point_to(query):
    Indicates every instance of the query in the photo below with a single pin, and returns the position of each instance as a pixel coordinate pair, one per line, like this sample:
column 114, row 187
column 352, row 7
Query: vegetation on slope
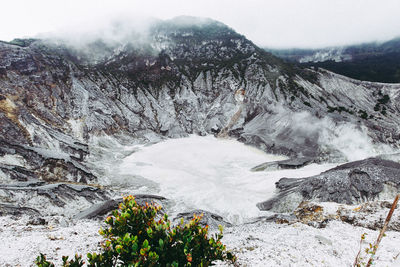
column 137, row 236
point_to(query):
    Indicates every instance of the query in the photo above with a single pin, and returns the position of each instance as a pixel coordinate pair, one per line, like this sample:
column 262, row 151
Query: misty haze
column 290, row 143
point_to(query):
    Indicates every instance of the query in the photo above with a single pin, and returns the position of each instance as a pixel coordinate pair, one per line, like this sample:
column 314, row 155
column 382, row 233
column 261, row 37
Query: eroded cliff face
column 56, row 98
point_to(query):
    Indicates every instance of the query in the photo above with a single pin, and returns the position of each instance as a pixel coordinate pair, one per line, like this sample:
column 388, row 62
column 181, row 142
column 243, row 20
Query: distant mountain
column 379, row 62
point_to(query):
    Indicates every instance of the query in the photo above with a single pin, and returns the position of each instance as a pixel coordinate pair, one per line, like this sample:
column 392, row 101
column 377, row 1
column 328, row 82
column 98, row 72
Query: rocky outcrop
column 8, row 209
column 350, row 183
column 283, row 164
column 41, row 199
column 371, row 215
column 309, row 213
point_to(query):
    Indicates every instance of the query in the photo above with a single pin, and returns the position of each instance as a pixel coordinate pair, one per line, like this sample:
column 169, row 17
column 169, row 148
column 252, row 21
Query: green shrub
column 363, row 114
column 76, row 262
column 384, row 99
column 137, row 237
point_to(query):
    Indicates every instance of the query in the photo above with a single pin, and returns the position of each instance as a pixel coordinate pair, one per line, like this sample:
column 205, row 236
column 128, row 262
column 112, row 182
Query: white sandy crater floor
column 259, row 244
column 210, row 174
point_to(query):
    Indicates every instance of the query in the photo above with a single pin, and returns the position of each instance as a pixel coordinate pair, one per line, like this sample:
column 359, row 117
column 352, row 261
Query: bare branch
column 389, row 216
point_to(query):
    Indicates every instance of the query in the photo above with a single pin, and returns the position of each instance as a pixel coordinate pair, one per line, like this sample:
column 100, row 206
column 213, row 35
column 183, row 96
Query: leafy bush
column 76, row 262
column 137, row 237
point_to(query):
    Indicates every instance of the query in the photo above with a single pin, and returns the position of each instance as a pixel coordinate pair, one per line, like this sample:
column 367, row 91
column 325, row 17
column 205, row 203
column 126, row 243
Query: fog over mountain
column 276, row 24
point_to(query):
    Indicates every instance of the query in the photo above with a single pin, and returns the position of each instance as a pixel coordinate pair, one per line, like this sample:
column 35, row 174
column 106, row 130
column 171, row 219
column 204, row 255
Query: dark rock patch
column 17, row 173
column 142, row 199
column 46, row 165
column 59, row 194
column 48, row 199
column 32, row 183
column 294, row 163
column 8, row 209
column 350, row 183
column 37, row 221
column 279, row 218
column 98, row 210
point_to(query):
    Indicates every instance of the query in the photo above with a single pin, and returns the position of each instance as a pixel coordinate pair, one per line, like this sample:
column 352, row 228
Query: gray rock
column 7, row 209
column 100, row 209
column 49, row 199
column 31, row 183
column 279, row 218
column 211, row 219
column 283, row 164
column 37, row 221
column 350, row 183
column 142, row 199
column 287, row 188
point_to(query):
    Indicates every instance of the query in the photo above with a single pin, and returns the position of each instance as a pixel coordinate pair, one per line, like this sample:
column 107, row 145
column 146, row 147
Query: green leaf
column 127, row 238
column 149, row 231
column 64, row 259
column 135, row 246
column 118, row 248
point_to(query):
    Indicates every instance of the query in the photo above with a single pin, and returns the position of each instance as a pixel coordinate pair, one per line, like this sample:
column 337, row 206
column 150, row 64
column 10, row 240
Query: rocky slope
column 179, row 78
column 353, row 182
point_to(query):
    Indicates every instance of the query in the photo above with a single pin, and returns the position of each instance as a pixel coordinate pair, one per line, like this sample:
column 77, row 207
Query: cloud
column 350, row 139
column 303, row 130
column 273, row 23
column 110, row 29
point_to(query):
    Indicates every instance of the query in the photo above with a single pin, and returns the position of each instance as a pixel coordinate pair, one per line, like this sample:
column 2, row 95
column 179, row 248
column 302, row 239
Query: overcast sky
column 271, row 23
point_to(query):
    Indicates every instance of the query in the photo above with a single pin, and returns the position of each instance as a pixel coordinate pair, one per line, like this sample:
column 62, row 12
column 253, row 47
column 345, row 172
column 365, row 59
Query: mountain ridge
column 375, row 61
column 54, row 100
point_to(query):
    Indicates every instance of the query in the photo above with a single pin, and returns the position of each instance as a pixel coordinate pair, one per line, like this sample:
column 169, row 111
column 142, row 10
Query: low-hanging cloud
column 110, row 30
column 283, row 23
column 301, row 130
column 96, row 42
column 350, row 139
